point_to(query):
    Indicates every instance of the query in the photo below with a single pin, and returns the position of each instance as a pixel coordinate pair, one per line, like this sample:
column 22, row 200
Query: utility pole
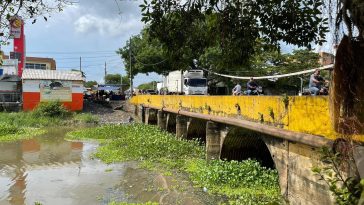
column 105, row 71
column 80, row 63
column 131, row 79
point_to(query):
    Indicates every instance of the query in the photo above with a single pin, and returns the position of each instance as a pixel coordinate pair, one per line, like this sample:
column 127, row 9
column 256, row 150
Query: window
column 35, row 66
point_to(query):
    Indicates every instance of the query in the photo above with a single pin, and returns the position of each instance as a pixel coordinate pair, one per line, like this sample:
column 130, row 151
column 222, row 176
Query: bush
column 51, row 109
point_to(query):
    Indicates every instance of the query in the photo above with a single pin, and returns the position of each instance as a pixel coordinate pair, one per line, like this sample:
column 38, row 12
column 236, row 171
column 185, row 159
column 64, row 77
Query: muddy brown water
column 53, row 171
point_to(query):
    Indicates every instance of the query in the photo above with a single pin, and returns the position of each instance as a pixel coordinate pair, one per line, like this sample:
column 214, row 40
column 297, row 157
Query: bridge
column 281, row 132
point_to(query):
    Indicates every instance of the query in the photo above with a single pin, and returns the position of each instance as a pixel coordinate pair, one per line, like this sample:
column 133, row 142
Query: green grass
column 25, row 125
column 242, row 182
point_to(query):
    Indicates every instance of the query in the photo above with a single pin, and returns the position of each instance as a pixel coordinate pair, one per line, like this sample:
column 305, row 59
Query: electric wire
column 272, row 76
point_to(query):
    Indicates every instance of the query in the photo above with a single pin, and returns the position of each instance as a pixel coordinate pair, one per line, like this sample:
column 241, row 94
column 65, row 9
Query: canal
column 51, row 170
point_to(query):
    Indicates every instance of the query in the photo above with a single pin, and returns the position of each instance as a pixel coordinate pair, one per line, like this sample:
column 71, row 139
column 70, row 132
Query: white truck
column 191, row 82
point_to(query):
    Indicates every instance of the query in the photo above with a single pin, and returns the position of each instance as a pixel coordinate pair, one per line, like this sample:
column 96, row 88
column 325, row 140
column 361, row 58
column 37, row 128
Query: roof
column 37, row 74
column 9, row 78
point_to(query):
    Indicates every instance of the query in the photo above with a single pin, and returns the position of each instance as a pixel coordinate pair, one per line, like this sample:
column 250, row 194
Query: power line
column 272, row 76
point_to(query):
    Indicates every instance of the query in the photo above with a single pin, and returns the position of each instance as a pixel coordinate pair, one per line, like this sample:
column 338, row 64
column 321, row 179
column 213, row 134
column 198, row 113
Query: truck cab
column 194, row 83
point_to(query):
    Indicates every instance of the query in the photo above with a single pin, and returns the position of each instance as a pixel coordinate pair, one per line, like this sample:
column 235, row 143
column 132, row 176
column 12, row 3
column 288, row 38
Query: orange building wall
column 32, row 99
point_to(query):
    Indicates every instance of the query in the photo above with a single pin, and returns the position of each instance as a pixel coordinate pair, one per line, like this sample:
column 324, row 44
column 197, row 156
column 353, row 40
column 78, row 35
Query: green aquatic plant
column 139, row 142
column 244, row 182
column 10, row 133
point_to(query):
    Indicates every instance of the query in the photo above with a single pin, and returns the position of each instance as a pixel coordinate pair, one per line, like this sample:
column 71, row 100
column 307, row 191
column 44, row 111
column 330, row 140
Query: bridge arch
column 240, row 144
column 171, row 122
column 196, row 129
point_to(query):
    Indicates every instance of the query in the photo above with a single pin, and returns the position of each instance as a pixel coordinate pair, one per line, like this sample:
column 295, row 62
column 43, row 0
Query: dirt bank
column 109, row 112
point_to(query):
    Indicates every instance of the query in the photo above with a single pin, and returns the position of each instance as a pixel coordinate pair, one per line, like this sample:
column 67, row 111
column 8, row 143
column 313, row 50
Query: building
column 51, row 85
column 35, row 62
column 40, row 63
column 326, row 58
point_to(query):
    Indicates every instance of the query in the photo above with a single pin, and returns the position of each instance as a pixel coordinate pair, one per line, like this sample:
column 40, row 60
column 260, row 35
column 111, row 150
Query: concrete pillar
column 162, row 120
column 146, row 115
column 213, row 138
column 181, row 127
column 141, row 113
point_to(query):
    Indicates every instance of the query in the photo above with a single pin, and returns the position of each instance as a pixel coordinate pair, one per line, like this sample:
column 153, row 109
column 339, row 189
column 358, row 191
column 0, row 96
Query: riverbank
column 25, row 125
column 244, row 182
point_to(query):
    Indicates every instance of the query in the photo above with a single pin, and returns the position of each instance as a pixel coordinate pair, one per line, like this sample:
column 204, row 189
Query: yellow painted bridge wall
column 308, row 114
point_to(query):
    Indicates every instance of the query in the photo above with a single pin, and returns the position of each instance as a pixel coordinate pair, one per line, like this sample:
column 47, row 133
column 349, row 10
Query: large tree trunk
column 347, row 89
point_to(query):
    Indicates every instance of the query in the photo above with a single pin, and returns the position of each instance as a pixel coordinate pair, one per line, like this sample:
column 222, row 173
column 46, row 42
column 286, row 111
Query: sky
column 90, row 29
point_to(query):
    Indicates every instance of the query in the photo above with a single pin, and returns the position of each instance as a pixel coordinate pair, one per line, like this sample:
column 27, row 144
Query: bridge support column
column 141, row 113
column 181, row 127
column 162, row 120
column 213, row 140
column 150, row 116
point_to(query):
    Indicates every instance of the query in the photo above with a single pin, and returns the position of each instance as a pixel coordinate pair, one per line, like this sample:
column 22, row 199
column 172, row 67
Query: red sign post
column 17, row 32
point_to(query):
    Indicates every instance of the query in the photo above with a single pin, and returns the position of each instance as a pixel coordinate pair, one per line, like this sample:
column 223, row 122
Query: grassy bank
column 24, row 125
column 242, row 182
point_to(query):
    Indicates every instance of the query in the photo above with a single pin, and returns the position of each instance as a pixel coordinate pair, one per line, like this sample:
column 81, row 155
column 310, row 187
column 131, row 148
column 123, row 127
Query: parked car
column 150, row 92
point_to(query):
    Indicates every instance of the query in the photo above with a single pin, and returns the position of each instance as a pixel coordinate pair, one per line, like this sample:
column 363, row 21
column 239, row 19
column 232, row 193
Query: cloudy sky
column 91, row 29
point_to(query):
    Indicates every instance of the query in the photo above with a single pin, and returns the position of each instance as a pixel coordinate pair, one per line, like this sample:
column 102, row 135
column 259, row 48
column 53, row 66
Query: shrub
column 51, row 109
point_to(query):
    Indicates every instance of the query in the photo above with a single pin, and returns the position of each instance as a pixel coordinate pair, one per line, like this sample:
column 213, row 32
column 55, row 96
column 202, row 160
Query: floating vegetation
column 9, row 133
column 244, row 182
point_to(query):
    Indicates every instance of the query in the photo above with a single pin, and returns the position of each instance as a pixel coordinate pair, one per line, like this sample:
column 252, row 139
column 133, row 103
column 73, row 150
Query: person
column 251, row 86
column 316, row 82
column 237, row 89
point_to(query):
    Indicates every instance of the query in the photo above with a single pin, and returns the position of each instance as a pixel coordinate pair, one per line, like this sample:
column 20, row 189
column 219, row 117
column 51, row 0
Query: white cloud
column 107, row 26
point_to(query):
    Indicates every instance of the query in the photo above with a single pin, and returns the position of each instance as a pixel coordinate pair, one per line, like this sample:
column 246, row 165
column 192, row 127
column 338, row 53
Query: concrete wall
column 307, row 114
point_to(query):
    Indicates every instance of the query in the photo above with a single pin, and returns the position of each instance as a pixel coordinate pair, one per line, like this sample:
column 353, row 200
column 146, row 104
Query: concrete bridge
column 281, row 132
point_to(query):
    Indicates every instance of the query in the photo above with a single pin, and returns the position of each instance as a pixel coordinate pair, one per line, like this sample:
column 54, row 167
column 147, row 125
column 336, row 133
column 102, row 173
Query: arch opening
column 171, row 123
column 241, row 144
column 196, row 130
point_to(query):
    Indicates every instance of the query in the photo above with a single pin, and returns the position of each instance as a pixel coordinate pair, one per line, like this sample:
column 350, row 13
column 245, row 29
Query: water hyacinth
column 244, row 182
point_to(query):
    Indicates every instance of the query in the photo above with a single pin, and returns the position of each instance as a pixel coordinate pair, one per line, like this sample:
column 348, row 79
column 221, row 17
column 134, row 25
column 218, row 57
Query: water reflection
column 51, row 170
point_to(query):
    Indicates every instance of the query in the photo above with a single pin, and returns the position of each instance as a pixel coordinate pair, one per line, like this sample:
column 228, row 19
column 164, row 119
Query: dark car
column 151, row 92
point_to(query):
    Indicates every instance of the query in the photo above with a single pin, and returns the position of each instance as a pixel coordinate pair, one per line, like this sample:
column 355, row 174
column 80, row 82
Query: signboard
column 53, row 90
column 9, row 66
column 15, row 26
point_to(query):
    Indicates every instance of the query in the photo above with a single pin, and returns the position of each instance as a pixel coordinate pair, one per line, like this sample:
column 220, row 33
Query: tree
column 148, row 86
column 147, row 55
column 232, row 30
column 112, row 79
column 89, row 84
column 27, row 9
column 347, row 97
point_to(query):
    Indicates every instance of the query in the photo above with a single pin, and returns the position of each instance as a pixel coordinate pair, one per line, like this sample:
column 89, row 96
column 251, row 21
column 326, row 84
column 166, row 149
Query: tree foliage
column 115, row 79
column 227, row 33
column 147, row 55
column 91, row 83
column 148, row 86
column 27, row 9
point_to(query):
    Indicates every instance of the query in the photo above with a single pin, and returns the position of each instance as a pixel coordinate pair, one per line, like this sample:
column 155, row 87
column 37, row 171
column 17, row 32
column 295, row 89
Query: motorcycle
column 257, row 91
